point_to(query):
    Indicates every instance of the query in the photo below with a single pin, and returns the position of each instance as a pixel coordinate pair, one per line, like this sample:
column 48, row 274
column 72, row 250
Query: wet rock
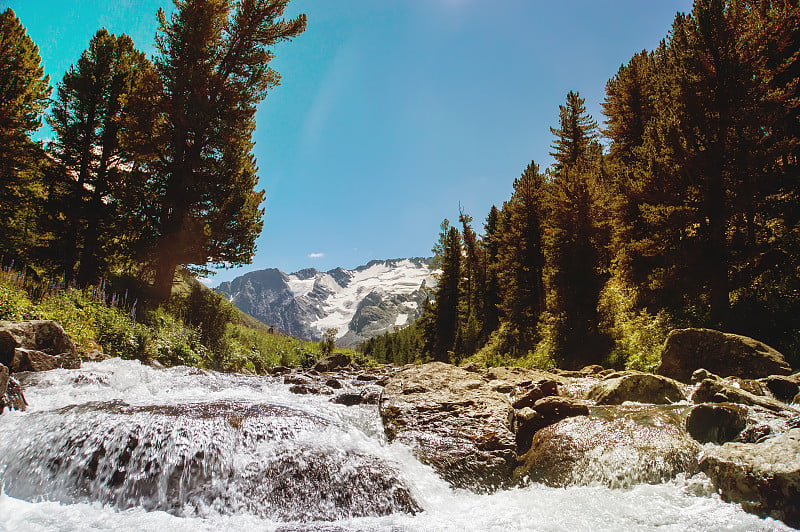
column 297, row 379
column 783, row 388
column 280, row 370
column 302, row 389
column 545, row 412
column 3, row 379
column 763, row 477
column 452, row 421
column 710, row 391
column 637, row 387
column 348, row 399
column 333, row 383
column 716, row 423
column 699, row 375
column 532, row 392
column 332, row 363
column 617, row 453
column 32, row 360
column 365, row 377
column 12, row 397
column 519, row 376
column 747, row 385
column 724, row 354
column 796, row 400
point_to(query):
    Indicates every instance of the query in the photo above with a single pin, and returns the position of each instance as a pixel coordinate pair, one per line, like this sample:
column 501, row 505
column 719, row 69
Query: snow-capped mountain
column 359, row 303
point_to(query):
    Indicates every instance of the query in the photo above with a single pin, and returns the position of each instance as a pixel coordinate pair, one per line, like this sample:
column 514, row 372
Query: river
column 120, row 446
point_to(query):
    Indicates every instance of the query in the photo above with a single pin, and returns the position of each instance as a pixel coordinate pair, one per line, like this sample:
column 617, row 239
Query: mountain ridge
column 360, row 303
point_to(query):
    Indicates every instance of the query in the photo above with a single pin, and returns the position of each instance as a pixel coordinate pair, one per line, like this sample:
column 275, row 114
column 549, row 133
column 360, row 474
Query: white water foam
column 678, row 505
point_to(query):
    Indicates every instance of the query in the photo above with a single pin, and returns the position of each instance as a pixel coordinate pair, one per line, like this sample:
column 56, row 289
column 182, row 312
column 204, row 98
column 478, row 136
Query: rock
column 545, row 411
column 454, row 422
column 32, row 360
column 617, row 453
column 3, row 380
column 699, row 375
column 13, row 398
column 637, row 387
column 297, row 379
column 365, row 377
column 716, row 423
column 724, row 354
column 367, row 396
column 44, row 336
column 519, row 376
column 763, row 477
column 747, row 385
column 333, row 383
column 711, row 391
column 280, row 370
column 535, row 391
column 332, row 362
column 796, row 400
column 302, row 389
column 588, row 371
column 783, row 388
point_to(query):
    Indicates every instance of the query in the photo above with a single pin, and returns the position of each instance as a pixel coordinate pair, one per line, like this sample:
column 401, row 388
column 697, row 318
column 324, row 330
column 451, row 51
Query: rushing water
column 120, row 446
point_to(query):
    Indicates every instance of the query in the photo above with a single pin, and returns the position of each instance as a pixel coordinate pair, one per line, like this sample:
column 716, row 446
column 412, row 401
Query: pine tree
column 520, row 258
column 24, row 93
column 213, row 62
column 441, row 317
column 575, row 271
column 473, row 286
column 91, row 163
column 491, row 242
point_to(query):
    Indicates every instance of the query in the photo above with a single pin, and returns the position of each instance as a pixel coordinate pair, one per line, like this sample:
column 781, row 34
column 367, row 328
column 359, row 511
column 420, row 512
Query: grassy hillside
column 197, row 327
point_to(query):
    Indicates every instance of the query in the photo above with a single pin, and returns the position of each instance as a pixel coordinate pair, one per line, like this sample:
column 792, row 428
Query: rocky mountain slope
column 359, row 303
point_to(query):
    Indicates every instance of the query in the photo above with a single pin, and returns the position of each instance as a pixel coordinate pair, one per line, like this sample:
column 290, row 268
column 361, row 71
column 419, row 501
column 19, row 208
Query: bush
column 638, row 335
column 15, row 305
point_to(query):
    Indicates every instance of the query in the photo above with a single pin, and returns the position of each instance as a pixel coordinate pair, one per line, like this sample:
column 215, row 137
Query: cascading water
column 120, row 446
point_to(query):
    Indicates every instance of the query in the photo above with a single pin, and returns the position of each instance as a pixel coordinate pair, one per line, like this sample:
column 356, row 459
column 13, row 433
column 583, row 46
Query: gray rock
column 453, row 421
column 716, row 423
column 534, row 391
column 637, row 387
column 763, row 477
column 724, row 354
column 37, row 345
column 617, row 453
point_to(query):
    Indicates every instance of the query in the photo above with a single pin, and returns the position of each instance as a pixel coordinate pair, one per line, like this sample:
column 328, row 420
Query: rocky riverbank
column 486, row 429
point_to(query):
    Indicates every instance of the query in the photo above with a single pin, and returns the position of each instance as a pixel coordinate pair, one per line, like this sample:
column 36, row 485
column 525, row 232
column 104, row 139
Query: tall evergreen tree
column 213, row 61
column 575, row 271
column 473, row 283
column 491, row 241
column 91, row 163
column 442, row 315
column 24, row 93
column 520, row 258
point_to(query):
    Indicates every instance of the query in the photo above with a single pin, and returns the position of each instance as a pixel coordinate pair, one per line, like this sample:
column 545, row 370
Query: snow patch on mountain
column 360, row 303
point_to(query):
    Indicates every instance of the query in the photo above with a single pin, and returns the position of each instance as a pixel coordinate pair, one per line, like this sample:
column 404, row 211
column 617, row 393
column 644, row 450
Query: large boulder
column 763, row 477
column 617, row 453
column 637, row 387
column 724, row 354
column 454, row 421
column 36, row 345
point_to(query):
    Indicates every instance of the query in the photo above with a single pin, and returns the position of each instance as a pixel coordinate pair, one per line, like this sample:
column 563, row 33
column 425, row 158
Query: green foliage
column 328, row 341
column 638, row 335
column 24, row 94
column 14, row 304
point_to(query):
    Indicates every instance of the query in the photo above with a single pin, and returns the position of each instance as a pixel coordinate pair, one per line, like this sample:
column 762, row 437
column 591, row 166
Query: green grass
column 198, row 327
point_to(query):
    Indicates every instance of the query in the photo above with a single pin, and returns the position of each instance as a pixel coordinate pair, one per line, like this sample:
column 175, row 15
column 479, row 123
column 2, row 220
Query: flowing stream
column 120, row 446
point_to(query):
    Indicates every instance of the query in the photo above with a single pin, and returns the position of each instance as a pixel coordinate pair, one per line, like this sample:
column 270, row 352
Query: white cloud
column 315, row 255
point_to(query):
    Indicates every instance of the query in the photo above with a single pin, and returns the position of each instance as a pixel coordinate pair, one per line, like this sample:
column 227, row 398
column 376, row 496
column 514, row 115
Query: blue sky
column 391, row 113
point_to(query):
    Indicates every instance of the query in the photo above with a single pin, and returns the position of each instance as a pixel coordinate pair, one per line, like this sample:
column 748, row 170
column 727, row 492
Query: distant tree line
column 150, row 166
column 690, row 217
